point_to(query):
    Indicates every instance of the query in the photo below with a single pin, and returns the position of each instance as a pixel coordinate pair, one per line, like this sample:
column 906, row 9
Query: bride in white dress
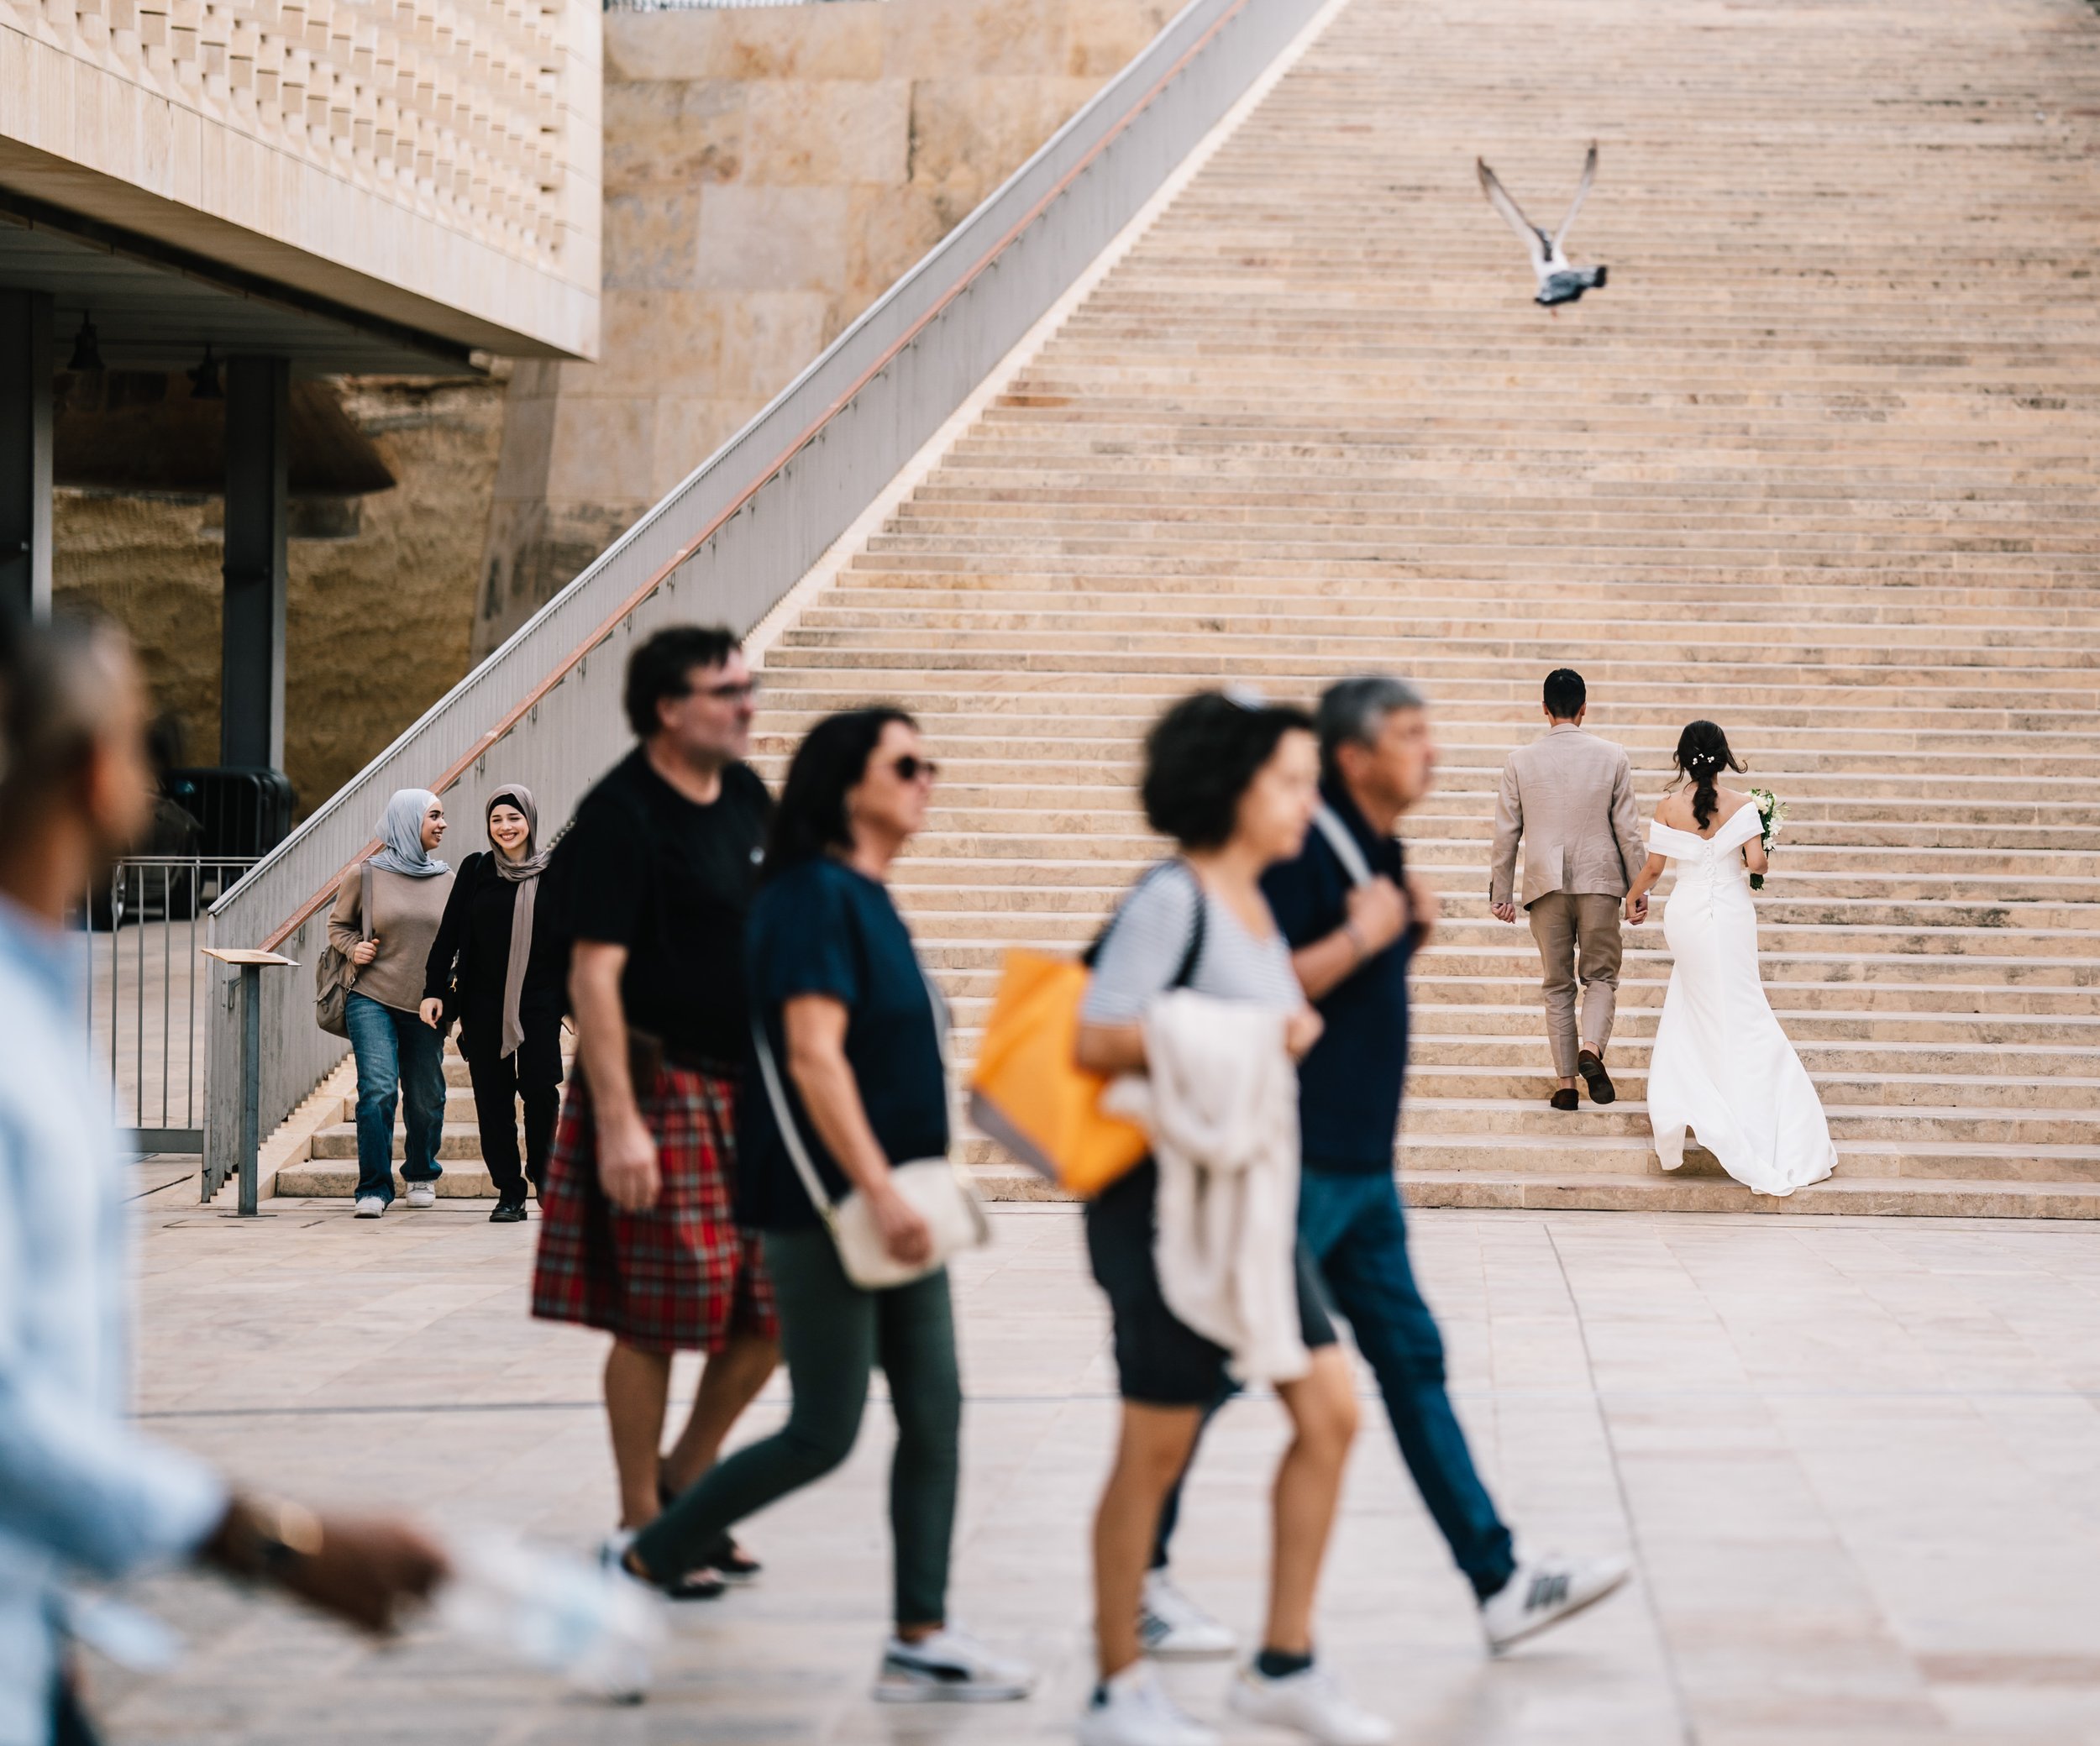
column 1722, row 1067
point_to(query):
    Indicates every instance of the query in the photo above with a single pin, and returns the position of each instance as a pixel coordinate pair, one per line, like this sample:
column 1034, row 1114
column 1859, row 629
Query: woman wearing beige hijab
column 501, row 976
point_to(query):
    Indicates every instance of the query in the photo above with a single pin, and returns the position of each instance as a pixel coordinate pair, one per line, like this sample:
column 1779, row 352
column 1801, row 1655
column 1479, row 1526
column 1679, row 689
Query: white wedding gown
column 1722, row 1067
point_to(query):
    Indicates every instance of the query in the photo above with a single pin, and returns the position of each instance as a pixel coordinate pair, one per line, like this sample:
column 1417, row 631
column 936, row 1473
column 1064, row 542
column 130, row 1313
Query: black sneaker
column 507, row 1213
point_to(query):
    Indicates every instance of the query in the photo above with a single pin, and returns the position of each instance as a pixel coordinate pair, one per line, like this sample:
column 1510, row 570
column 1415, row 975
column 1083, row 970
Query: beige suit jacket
column 1569, row 796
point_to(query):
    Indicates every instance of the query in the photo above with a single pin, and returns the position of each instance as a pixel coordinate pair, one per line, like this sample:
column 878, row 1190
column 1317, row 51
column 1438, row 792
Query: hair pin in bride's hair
column 1245, row 697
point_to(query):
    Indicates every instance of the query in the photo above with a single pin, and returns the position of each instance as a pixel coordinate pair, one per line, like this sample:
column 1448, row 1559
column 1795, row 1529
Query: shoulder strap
column 1193, row 955
column 784, row 1114
column 364, row 899
column 1347, row 851
column 784, row 1119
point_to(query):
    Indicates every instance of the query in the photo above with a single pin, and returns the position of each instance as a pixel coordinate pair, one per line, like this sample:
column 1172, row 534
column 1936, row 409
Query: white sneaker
column 950, row 1666
column 422, row 1194
column 1173, row 1628
column 1544, row 1591
column 1133, row 1709
column 369, row 1206
column 1311, row 1701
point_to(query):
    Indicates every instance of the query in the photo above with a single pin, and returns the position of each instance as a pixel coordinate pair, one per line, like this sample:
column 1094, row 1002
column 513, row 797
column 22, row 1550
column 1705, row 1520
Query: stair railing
column 729, row 541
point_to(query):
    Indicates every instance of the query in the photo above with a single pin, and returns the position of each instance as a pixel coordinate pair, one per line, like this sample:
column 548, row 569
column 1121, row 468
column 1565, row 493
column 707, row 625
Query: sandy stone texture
column 768, row 172
column 376, row 628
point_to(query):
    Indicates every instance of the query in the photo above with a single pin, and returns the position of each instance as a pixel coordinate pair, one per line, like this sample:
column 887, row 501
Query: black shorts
column 1161, row 1361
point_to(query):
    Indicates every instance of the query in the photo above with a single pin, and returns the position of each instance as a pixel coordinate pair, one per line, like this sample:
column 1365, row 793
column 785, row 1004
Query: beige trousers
column 1578, row 940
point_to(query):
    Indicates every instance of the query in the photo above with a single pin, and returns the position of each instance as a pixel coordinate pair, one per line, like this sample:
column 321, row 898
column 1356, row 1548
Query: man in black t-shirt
column 638, row 1233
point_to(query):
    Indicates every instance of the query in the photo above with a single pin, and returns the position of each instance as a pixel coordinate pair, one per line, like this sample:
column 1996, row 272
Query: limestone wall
column 768, row 172
column 376, row 620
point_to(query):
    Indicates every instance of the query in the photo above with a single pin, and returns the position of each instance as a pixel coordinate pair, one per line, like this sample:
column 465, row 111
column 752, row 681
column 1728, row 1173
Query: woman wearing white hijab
column 399, row 1058
column 502, row 978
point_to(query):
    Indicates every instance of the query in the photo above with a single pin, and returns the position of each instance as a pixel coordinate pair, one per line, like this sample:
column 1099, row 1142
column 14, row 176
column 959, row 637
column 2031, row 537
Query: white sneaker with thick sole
column 1313, row 1702
column 950, row 1666
column 369, row 1206
column 1544, row 1591
column 422, row 1194
column 1173, row 1628
column 1133, row 1710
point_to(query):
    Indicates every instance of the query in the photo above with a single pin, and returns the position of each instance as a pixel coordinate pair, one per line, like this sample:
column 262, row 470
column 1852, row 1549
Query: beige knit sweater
column 404, row 917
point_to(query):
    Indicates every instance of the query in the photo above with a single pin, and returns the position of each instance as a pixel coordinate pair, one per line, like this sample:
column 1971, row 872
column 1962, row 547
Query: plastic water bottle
column 596, row 1627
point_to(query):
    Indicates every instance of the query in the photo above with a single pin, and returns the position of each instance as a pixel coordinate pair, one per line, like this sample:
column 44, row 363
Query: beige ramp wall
column 768, row 172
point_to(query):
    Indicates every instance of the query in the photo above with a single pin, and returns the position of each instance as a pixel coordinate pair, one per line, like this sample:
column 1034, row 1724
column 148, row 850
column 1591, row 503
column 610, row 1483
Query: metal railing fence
column 736, row 535
column 147, row 926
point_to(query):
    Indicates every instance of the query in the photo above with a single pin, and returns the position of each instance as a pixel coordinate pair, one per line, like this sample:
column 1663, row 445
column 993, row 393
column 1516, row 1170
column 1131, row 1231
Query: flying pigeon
column 1558, row 282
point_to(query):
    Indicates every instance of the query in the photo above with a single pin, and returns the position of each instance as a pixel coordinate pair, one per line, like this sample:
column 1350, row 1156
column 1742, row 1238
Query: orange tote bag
column 1029, row 1093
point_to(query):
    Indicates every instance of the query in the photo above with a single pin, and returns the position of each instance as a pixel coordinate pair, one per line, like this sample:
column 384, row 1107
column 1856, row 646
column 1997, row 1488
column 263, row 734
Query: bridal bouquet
column 1773, row 811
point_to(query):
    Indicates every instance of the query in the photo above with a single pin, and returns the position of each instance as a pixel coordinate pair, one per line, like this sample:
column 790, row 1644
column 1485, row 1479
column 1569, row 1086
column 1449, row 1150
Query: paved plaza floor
column 1857, row 1462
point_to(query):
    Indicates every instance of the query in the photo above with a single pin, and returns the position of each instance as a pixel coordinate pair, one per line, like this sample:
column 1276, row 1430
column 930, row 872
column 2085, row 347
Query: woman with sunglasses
column 857, row 1028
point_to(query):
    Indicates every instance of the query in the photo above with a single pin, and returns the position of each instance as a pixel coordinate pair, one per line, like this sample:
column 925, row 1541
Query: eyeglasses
column 911, row 767
column 735, row 691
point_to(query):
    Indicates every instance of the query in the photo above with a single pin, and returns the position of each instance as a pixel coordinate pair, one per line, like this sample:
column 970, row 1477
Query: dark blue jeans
column 1354, row 1230
column 400, row 1061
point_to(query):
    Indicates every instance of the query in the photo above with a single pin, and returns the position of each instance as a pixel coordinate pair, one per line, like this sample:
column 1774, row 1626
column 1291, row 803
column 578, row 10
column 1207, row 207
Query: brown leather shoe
column 1592, row 1068
column 1564, row 1098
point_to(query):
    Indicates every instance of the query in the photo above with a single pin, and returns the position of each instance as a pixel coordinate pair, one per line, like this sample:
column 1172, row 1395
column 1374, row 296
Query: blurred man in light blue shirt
column 81, row 1492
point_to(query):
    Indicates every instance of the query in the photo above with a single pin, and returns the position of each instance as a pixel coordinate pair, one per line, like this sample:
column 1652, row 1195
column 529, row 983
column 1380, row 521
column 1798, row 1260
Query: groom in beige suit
column 1569, row 796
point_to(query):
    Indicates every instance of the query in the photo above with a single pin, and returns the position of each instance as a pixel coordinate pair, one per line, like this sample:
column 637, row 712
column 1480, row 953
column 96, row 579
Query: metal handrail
column 746, row 525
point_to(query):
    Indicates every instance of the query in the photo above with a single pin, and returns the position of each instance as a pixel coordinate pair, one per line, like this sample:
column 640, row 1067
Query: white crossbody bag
column 933, row 1188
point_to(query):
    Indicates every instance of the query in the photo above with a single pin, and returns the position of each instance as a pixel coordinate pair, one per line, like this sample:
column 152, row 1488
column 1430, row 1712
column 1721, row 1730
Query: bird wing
column 1582, row 193
column 1498, row 198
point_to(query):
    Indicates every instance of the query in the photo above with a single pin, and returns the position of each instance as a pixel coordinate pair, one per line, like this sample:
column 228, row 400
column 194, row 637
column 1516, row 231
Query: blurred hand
column 365, row 951
column 1301, row 1031
column 366, row 1570
column 905, row 1234
column 1503, row 912
column 433, row 1012
column 627, row 1169
column 1378, row 913
column 370, row 1571
column 1637, row 909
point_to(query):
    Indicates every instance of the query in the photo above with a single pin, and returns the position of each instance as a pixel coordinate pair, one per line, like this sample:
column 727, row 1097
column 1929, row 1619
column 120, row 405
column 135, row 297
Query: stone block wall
column 376, row 618
column 768, row 172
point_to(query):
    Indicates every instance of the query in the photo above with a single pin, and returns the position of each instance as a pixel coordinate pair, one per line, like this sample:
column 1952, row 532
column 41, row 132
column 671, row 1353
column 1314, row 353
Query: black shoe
column 508, row 1213
column 1592, row 1068
column 1564, row 1099
column 701, row 1585
column 727, row 1561
column 733, row 1564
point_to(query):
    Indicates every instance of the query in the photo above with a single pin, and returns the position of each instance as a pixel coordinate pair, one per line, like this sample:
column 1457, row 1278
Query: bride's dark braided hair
column 1703, row 754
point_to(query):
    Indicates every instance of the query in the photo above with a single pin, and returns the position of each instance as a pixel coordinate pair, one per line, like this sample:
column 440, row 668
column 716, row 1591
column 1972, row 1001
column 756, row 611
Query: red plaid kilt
column 680, row 1278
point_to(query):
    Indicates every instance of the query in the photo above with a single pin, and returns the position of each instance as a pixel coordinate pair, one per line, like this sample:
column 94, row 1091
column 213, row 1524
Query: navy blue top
column 823, row 929
column 1349, row 1082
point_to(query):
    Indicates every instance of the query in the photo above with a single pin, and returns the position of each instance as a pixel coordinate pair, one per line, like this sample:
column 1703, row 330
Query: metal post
column 25, row 452
column 251, row 1086
column 252, row 658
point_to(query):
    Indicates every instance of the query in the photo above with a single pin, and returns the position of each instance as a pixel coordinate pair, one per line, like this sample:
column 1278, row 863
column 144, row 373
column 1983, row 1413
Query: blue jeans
column 399, row 1060
column 1356, row 1233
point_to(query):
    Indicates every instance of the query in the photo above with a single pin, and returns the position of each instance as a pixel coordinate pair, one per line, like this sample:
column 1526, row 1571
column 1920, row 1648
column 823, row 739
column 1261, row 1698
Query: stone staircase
column 1819, row 463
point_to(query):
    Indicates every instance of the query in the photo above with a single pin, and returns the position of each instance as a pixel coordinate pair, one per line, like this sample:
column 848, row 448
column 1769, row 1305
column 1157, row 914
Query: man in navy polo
column 1354, row 918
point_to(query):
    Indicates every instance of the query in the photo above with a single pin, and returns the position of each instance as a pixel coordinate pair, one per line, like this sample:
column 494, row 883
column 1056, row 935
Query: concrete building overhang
column 156, row 307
